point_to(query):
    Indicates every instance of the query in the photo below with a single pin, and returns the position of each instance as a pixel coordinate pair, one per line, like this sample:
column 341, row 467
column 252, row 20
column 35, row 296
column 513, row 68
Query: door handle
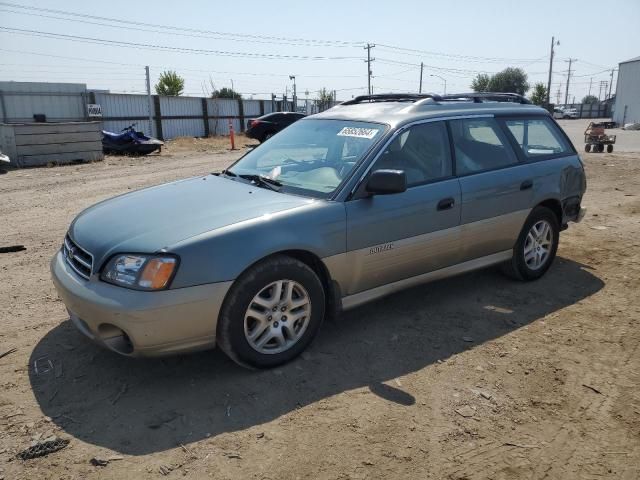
column 446, row 203
column 526, row 185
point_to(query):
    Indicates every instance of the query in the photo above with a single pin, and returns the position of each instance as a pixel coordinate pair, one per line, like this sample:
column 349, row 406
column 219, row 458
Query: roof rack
column 479, row 97
column 426, row 98
column 392, row 97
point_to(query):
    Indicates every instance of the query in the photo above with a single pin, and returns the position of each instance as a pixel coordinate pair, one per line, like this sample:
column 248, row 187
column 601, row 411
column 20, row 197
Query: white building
column 627, row 108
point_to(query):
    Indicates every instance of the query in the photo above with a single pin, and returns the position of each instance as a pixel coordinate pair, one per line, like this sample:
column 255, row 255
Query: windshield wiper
column 262, row 181
column 259, row 180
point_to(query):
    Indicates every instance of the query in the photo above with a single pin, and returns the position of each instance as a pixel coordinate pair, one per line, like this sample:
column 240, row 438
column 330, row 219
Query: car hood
column 155, row 218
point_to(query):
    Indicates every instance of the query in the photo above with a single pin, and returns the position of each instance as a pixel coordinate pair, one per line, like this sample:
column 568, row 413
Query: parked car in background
column 565, row 113
column 378, row 194
column 265, row 127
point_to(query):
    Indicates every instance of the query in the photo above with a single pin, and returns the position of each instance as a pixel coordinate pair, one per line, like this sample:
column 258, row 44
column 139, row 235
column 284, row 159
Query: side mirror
column 385, row 182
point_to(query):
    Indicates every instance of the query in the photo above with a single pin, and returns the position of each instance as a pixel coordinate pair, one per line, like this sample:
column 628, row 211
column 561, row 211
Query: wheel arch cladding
column 315, row 263
column 555, row 206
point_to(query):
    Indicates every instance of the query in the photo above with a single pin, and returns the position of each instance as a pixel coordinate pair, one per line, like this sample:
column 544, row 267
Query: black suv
column 268, row 125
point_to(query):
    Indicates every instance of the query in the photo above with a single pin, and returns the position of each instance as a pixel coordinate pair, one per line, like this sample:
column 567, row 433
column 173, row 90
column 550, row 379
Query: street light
column 295, row 96
column 443, row 79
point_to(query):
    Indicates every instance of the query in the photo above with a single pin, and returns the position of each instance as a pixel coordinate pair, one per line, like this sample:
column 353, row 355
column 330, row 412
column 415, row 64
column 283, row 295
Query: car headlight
column 140, row 272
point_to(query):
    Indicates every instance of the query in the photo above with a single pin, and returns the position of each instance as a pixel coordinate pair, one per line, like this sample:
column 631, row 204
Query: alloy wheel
column 538, row 244
column 277, row 317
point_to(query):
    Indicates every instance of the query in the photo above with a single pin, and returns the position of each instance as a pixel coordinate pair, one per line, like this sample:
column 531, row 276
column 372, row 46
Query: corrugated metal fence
column 57, row 102
column 181, row 116
column 591, row 110
column 29, row 102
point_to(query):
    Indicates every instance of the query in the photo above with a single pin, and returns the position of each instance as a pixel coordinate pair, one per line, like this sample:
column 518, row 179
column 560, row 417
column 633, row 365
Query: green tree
column 481, row 83
column 590, row 99
column 539, row 95
column 509, row 80
column 170, row 84
column 225, row 92
column 324, row 100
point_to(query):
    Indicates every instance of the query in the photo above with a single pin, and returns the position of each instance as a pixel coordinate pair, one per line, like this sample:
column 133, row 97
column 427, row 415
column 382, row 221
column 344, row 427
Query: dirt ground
column 475, row 377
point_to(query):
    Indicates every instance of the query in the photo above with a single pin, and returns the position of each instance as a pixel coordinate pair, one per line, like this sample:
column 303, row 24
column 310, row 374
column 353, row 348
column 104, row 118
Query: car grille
column 77, row 258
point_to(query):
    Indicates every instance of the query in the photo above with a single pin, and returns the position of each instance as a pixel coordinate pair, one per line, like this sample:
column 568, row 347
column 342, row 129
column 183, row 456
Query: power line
column 120, row 43
column 186, row 29
column 471, row 60
column 181, row 34
column 100, row 69
column 461, row 57
column 450, row 70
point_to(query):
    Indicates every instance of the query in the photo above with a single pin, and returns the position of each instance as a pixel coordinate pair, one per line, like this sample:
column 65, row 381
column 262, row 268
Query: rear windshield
column 311, row 157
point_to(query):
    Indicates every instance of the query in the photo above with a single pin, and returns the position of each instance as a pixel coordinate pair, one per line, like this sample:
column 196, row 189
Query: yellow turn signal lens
column 157, row 273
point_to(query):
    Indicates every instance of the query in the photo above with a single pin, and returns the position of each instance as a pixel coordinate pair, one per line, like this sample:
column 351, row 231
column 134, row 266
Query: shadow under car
column 140, row 406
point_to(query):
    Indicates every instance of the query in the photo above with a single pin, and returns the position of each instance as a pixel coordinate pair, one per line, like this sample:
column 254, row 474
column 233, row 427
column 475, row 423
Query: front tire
column 536, row 247
column 272, row 313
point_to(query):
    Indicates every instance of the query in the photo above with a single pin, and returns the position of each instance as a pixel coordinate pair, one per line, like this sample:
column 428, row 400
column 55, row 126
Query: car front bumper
column 137, row 323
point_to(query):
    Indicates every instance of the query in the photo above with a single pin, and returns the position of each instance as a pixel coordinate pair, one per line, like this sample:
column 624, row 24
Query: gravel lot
column 626, row 141
column 473, row 377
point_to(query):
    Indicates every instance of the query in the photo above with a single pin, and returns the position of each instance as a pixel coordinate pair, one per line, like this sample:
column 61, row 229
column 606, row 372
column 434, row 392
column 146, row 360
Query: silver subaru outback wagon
column 375, row 195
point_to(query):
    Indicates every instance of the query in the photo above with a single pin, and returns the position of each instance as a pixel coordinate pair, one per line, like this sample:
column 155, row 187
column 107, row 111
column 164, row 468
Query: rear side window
column 538, row 137
column 480, row 145
column 421, row 151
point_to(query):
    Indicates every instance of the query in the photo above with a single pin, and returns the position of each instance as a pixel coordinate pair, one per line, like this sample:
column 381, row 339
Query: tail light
column 254, row 123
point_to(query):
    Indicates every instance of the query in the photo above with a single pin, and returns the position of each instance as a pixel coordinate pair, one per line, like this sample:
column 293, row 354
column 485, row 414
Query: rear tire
column 266, row 137
column 609, row 148
column 536, row 247
column 272, row 313
column 587, row 148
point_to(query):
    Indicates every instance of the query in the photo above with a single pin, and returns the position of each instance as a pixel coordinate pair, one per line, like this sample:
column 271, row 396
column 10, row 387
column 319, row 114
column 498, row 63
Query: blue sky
column 319, row 43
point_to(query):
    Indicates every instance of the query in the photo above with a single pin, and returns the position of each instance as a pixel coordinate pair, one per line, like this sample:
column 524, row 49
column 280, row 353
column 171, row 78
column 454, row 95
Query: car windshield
column 311, row 157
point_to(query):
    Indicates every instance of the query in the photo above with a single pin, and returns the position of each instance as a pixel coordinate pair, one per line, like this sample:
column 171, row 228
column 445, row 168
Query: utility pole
column 590, row 82
column 150, row 104
column 295, row 94
column 610, row 83
column 600, row 91
column 369, row 60
column 421, row 69
column 566, row 92
column 603, row 86
column 559, row 93
column 553, row 43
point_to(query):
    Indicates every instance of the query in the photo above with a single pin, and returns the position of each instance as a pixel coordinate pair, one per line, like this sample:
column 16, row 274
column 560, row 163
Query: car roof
column 397, row 113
